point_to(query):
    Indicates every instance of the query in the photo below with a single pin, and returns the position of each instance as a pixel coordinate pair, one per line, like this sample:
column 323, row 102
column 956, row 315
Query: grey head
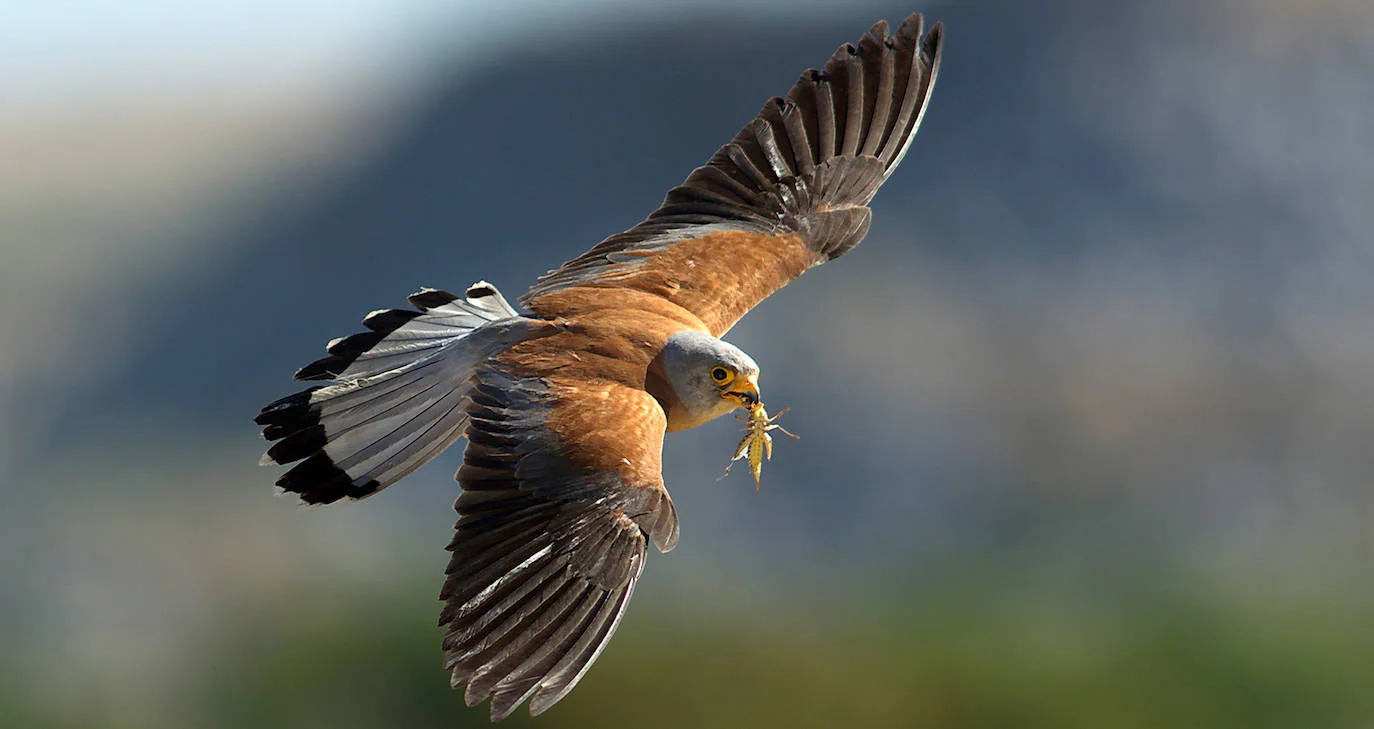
column 710, row 377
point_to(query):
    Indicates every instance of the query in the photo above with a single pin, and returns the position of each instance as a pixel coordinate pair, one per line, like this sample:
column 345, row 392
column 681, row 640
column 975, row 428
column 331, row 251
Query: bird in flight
column 565, row 406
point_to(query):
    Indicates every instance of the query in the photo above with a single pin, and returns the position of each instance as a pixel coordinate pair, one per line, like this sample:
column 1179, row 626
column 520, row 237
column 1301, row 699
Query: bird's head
column 710, row 377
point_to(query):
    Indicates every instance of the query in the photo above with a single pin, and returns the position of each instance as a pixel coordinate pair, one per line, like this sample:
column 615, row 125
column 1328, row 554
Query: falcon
column 565, row 405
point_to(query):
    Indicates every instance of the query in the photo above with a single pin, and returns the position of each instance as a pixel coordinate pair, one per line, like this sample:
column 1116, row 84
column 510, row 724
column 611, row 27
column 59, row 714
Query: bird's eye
column 720, row 375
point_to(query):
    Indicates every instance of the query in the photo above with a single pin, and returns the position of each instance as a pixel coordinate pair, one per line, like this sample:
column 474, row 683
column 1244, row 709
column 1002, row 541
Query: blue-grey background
column 1086, row 420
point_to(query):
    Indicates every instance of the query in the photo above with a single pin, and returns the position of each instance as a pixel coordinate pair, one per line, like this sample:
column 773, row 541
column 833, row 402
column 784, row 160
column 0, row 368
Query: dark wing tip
column 298, row 445
column 286, row 409
column 480, row 291
column 324, row 368
column 426, row 299
column 387, row 321
column 316, row 480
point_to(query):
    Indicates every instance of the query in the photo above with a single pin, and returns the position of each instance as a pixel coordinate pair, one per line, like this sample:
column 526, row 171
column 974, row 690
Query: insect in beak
column 757, row 444
column 745, row 392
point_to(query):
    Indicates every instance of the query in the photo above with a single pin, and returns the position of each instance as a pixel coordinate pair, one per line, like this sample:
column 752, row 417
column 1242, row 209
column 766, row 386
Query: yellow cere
column 757, row 444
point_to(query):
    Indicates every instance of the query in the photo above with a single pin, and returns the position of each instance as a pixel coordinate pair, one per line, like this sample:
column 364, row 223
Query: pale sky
column 61, row 50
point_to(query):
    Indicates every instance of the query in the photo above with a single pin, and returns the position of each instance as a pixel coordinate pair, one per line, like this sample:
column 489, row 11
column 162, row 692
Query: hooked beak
column 744, row 391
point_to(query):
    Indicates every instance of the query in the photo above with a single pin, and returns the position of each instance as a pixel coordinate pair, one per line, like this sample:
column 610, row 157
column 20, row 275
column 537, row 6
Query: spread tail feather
column 398, row 396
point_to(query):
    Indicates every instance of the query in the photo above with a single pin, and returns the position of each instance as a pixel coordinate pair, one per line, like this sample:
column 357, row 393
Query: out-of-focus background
column 1088, row 420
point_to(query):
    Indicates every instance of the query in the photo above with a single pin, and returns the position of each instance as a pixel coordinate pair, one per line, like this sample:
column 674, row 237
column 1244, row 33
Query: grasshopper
column 757, row 444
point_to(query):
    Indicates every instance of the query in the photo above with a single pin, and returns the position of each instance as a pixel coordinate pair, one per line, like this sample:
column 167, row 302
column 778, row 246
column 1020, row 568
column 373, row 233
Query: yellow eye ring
column 720, row 375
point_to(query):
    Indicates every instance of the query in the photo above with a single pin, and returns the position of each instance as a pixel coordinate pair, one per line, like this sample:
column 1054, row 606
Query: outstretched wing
column 561, row 493
column 788, row 193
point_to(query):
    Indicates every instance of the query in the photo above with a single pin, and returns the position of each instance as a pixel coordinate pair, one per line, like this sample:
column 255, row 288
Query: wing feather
column 799, row 143
column 550, row 539
column 882, row 99
column 825, row 110
column 570, row 603
column 568, row 628
column 846, row 66
column 573, row 666
column 796, row 182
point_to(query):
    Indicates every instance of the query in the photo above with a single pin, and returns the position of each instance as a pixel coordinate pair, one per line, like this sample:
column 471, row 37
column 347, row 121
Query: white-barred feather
column 399, row 395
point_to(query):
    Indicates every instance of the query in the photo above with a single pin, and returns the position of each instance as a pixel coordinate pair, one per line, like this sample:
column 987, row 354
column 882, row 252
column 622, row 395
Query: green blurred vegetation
column 981, row 647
